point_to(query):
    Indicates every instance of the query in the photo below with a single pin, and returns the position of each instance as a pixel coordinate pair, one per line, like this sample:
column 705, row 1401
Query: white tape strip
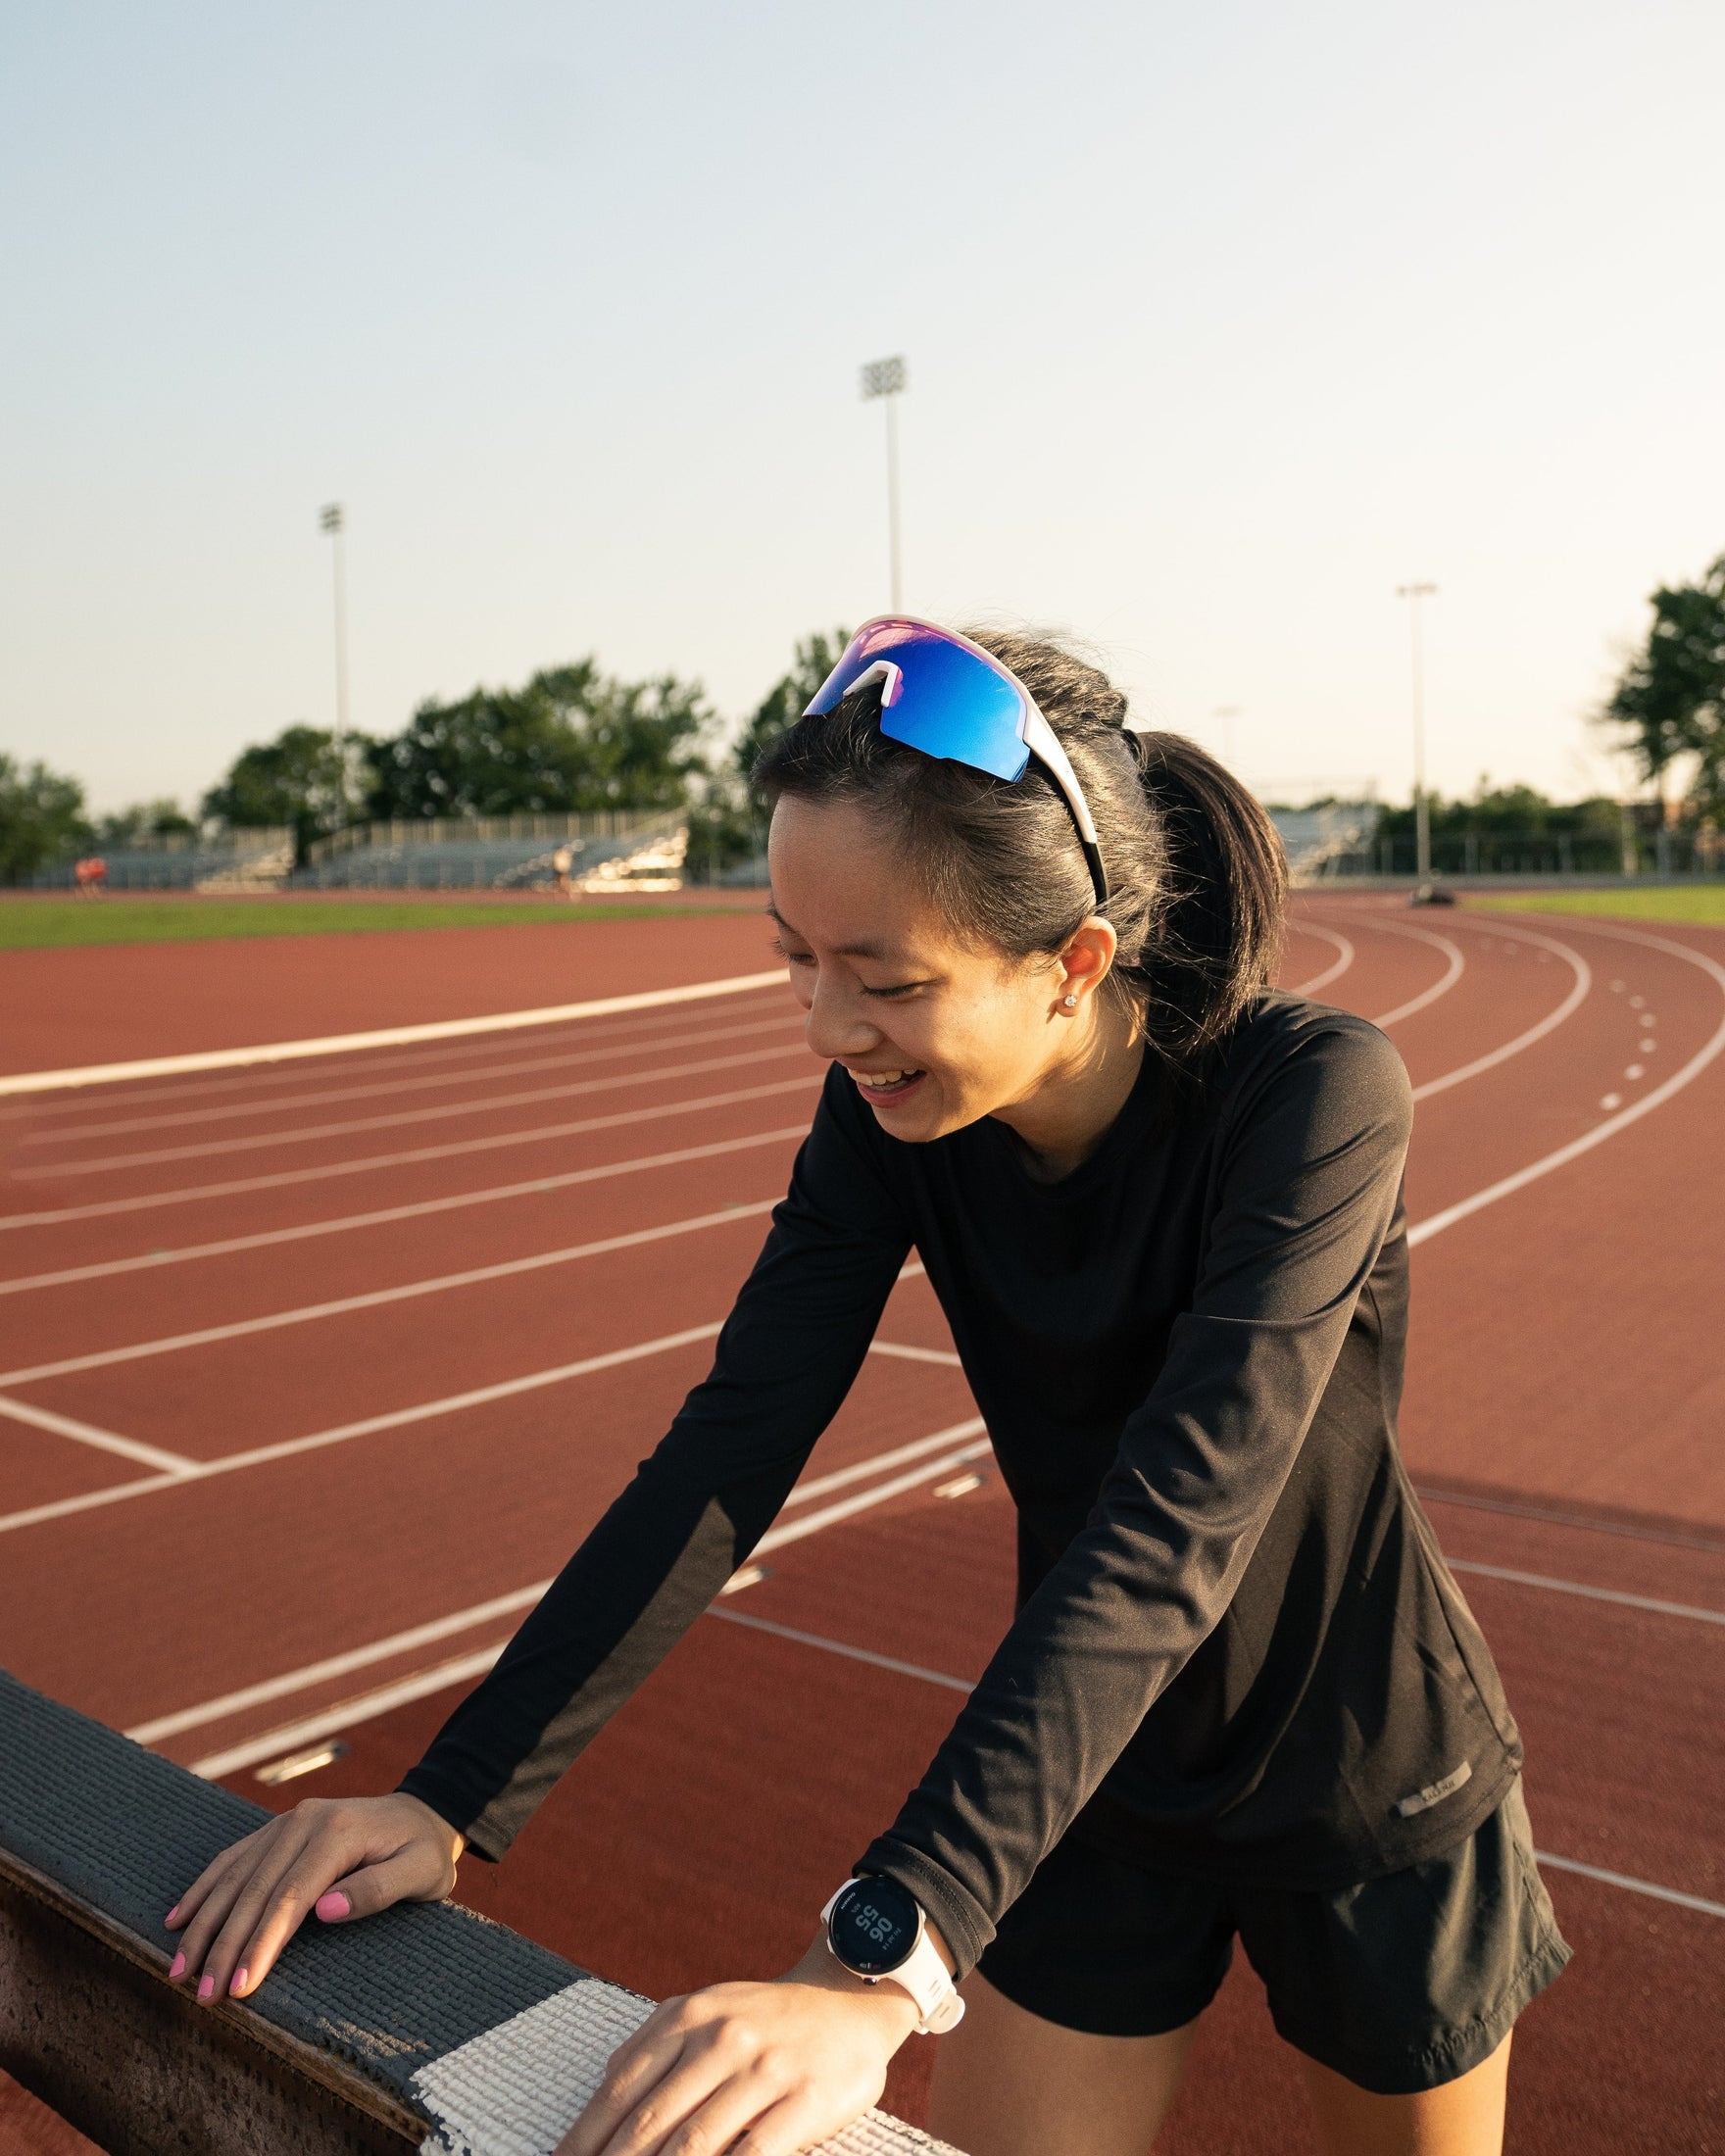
column 518, row 2089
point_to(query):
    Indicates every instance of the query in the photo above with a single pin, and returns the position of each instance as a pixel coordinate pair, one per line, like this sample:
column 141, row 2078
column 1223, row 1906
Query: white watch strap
column 923, row 1974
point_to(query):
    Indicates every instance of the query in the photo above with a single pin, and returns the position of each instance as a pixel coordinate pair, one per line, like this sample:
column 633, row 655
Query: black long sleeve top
column 1237, row 1650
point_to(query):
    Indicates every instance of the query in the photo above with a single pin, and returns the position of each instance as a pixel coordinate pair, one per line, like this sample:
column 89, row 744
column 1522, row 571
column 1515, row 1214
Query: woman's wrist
column 885, row 2002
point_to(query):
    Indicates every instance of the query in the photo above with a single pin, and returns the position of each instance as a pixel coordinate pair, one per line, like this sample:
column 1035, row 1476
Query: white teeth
column 884, row 1077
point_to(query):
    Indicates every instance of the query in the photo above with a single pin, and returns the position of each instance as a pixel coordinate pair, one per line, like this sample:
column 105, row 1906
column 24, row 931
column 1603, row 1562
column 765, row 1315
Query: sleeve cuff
column 962, row 1921
column 437, row 1796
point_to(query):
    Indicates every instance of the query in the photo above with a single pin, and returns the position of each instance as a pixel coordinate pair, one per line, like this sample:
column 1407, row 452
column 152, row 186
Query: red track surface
column 1564, row 1399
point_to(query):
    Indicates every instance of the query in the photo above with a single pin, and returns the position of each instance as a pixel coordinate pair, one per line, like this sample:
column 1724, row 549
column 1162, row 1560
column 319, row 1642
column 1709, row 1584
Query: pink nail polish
column 332, row 1907
column 176, row 1969
column 236, row 1984
column 172, row 1916
column 206, row 1987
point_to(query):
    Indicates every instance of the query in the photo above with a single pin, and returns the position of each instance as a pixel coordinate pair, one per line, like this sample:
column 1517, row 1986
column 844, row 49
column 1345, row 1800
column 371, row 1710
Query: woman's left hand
column 757, row 2069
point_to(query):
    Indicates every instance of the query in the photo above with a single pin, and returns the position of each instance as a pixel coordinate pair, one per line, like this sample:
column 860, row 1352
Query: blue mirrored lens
column 949, row 704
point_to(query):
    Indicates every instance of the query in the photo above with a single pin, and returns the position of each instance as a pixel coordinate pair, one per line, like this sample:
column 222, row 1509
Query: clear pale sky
column 1221, row 323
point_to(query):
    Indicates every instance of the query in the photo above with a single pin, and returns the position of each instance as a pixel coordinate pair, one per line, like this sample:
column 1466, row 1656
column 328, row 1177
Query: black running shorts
column 1399, row 1984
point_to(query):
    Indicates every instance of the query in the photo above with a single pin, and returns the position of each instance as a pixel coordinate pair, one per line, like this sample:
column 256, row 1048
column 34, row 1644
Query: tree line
column 575, row 738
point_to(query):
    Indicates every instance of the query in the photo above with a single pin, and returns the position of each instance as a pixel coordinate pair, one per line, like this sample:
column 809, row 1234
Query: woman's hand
column 342, row 1858
column 755, row 2068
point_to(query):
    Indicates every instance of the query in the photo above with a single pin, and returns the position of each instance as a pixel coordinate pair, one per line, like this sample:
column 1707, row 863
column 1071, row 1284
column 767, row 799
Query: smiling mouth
column 886, row 1085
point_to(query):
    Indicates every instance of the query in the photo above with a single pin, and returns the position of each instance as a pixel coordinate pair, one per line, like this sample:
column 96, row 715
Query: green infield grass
column 1700, row 904
column 38, row 924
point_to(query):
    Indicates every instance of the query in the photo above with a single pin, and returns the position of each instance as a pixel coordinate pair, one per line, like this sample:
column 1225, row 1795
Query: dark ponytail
column 1195, row 873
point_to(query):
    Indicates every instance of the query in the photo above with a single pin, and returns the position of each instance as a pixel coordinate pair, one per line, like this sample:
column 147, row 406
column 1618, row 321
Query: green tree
column 1671, row 699
column 142, row 823
column 571, row 740
column 307, row 778
column 41, row 815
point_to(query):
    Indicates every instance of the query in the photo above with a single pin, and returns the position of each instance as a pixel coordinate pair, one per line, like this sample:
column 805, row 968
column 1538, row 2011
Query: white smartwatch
column 875, row 1929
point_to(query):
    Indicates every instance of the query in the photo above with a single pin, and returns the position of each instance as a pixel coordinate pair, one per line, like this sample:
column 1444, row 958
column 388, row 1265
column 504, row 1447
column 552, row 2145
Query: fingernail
column 206, row 1987
column 332, row 1907
column 172, row 1916
column 176, row 1969
column 236, row 1984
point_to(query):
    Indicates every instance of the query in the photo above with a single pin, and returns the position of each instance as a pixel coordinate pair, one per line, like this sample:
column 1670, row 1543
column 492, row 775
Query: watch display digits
column 877, row 1928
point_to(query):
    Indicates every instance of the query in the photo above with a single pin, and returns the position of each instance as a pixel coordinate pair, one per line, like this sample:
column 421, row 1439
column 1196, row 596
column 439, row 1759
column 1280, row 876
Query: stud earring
column 1071, row 1002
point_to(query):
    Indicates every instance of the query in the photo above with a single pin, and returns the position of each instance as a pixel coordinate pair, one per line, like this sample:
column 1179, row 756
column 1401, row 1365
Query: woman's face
column 935, row 1032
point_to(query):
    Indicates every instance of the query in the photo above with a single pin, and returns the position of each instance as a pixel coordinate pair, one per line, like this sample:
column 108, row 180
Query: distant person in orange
column 89, row 876
column 561, row 862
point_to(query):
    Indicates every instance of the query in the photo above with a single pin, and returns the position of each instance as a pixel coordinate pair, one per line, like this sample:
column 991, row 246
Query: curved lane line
column 1550, row 1162
column 1580, row 989
column 1456, row 966
column 1332, row 972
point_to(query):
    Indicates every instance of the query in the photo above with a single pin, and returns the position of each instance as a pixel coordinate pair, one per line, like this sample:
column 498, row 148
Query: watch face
column 873, row 1926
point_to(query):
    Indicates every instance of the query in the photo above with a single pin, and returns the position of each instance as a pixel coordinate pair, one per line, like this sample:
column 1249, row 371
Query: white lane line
column 1452, row 973
column 398, row 1418
column 336, row 1665
column 175, row 1465
column 1466, row 1207
column 1675, row 1538
column 394, row 1087
column 395, row 1418
column 847, row 1507
column 288, row 1080
column 919, row 1354
column 345, row 1044
column 840, row 1478
column 292, row 1178
column 444, row 1112
column 1631, row 1885
column 481, row 1613
column 103, row 1358
column 1592, row 1593
column 1332, row 972
column 463, row 1669
column 1580, row 988
column 839, row 1646
column 150, row 1261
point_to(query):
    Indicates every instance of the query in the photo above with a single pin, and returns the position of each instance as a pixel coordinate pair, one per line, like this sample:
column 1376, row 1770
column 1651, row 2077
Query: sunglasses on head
column 946, row 696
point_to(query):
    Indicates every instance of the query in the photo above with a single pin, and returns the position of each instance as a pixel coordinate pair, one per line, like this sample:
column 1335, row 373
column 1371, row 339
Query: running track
column 310, row 1373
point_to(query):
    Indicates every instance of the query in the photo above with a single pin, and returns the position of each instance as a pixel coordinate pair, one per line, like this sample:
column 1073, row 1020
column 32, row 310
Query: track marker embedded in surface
column 346, row 1043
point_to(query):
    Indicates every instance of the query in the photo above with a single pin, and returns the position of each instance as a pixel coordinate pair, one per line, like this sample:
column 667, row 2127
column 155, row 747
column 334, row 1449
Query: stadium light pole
column 888, row 380
column 332, row 518
column 1423, row 815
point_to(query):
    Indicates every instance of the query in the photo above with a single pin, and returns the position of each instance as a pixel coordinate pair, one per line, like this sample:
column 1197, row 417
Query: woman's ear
column 1086, row 963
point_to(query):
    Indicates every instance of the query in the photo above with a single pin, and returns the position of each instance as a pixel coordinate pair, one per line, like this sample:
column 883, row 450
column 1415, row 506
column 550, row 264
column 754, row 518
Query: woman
column 1160, row 1205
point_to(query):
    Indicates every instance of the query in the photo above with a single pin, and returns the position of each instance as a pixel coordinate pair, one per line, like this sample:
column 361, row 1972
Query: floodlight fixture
column 885, row 377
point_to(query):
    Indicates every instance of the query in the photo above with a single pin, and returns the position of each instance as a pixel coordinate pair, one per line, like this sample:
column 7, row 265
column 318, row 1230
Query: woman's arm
column 786, row 1359
column 1307, row 1190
